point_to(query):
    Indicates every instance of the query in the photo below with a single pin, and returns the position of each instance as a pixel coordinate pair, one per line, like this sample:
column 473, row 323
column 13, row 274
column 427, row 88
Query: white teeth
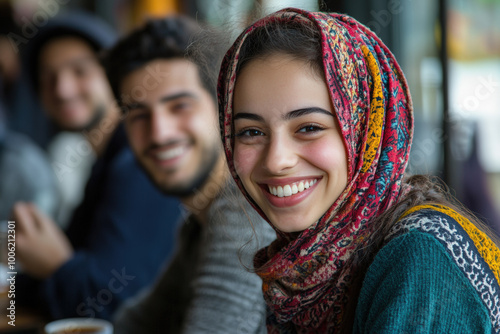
column 289, row 190
column 170, row 154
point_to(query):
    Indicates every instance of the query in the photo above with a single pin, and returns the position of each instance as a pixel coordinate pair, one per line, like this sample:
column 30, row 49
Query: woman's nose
column 280, row 156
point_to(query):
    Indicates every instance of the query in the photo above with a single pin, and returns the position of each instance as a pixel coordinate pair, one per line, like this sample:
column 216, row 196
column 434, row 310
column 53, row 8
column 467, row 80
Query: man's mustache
column 165, row 145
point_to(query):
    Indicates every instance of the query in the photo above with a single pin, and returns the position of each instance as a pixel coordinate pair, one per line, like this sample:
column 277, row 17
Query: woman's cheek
column 326, row 154
column 245, row 160
column 317, row 154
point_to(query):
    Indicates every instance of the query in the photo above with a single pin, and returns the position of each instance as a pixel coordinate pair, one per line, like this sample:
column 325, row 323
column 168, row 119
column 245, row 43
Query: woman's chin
column 290, row 224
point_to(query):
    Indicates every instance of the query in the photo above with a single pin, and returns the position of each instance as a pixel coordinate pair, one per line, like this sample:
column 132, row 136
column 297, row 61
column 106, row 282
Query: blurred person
column 24, row 116
column 10, row 64
column 123, row 230
column 22, row 110
column 171, row 124
column 317, row 126
column 19, row 156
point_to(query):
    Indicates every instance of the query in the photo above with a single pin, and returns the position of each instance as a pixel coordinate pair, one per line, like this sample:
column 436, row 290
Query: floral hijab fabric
column 306, row 279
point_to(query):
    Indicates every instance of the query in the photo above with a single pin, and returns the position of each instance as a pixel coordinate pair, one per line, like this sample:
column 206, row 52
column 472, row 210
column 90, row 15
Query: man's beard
column 209, row 160
column 99, row 114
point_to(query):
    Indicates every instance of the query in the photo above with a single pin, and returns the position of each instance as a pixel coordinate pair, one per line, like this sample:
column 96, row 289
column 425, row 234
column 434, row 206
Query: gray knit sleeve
column 227, row 297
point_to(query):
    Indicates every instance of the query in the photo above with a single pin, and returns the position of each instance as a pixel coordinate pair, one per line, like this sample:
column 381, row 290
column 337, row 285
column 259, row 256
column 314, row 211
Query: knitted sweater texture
column 434, row 275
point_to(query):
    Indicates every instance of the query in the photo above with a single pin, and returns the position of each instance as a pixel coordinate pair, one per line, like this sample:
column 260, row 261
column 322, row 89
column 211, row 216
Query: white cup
column 79, row 326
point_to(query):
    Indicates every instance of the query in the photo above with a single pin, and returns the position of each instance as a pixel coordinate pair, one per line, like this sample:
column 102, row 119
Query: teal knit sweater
column 429, row 278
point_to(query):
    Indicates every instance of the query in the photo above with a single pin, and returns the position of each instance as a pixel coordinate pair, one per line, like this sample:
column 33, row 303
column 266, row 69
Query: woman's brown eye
column 310, row 128
column 249, row 133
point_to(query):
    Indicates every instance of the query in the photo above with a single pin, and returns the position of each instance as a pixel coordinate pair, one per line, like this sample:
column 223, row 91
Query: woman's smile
column 287, row 190
column 287, row 193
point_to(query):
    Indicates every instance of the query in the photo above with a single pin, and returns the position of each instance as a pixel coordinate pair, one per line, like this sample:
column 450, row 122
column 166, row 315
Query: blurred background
column 456, row 90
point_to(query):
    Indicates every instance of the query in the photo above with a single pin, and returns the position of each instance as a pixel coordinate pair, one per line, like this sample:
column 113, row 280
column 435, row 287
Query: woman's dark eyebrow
column 305, row 111
column 292, row 114
column 250, row 116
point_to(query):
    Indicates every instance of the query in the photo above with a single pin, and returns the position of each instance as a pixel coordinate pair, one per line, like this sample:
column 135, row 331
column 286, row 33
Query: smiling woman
column 317, row 123
column 288, row 144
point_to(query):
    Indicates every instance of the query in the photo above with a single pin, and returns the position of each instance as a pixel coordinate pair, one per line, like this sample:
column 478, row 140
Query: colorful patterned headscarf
column 305, row 279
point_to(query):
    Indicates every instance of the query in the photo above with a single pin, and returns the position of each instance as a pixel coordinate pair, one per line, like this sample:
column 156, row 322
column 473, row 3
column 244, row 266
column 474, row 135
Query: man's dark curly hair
column 166, row 38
